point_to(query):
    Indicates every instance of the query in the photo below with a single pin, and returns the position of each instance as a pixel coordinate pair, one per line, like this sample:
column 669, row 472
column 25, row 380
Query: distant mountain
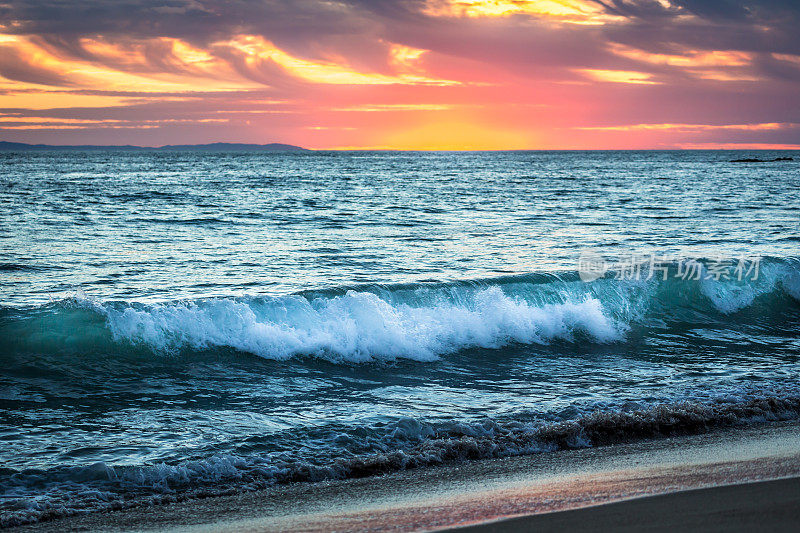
column 22, row 147
column 233, row 147
column 212, row 147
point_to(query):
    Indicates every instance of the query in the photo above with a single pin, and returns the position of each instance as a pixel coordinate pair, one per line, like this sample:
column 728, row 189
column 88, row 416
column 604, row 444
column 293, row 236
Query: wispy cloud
column 693, row 127
column 617, row 76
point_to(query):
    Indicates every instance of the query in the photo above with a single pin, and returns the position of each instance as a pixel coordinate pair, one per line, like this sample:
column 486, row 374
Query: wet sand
column 483, row 492
column 760, row 506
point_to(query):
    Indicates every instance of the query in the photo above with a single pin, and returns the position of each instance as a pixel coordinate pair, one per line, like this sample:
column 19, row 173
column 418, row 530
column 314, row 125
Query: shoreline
column 477, row 492
column 772, row 505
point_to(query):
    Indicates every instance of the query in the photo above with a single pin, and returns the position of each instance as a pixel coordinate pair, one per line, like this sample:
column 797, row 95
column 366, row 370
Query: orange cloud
column 125, row 67
column 574, row 11
column 689, row 58
column 45, row 123
column 20, row 96
column 713, row 65
column 617, row 76
column 256, row 49
column 791, row 58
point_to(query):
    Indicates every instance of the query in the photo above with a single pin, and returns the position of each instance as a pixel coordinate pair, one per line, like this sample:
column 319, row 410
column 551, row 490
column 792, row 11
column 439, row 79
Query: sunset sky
column 426, row 74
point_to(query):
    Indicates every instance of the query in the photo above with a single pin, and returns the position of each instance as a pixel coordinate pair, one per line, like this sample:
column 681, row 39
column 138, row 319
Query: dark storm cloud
column 712, row 10
column 197, row 21
column 740, row 9
column 751, row 26
column 641, row 9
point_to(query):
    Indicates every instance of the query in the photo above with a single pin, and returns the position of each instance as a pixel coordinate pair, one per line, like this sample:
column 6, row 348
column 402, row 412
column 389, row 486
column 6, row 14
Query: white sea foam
column 729, row 297
column 361, row 326
column 34, row 495
column 726, row 297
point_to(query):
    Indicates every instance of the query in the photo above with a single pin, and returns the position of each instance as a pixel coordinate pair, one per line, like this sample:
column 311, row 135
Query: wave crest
column 419, row 322
column 361, row 326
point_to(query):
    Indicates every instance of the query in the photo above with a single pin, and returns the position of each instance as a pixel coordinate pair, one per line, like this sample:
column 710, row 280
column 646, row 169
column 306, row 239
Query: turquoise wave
column 420, row 322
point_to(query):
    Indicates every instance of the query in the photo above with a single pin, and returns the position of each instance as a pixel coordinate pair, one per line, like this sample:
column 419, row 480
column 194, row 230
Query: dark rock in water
column 756, row 160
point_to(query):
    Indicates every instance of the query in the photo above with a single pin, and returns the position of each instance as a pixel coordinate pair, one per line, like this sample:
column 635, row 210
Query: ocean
column 177, row 324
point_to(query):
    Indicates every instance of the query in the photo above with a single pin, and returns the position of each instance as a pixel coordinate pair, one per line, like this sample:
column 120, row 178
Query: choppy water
column 177, row 324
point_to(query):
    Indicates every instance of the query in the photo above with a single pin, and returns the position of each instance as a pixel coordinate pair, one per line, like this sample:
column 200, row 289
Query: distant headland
column 212, row 147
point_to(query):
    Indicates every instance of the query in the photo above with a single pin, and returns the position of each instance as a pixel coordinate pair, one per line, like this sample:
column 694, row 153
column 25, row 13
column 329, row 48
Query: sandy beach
column 570, row 489
column 759, row 506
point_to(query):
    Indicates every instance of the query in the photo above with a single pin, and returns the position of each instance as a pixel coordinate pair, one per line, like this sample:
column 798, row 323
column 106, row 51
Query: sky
column 403, row 74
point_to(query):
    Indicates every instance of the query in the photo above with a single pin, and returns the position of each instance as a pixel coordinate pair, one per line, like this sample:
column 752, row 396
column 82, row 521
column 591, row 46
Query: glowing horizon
column 438, row 74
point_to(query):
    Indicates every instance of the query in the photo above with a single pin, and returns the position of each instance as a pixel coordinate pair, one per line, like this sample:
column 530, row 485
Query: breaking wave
column 420, row 322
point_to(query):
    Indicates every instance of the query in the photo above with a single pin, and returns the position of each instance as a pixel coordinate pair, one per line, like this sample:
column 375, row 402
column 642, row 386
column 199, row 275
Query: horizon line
column 293, row 148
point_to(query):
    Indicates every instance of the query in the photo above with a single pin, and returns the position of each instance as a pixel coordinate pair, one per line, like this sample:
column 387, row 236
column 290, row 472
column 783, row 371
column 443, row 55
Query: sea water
column 184, row 324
